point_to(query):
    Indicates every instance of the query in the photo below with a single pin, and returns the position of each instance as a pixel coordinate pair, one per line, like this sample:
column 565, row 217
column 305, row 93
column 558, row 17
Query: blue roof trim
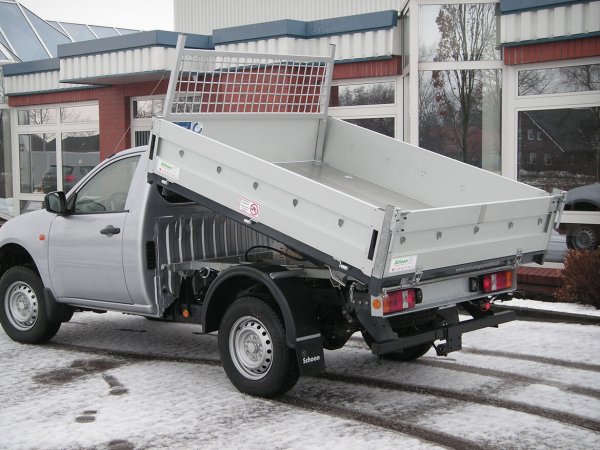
column 517, row 6
column 130, row 41
column 43, row 65
column 552, row 39
column 305, row 30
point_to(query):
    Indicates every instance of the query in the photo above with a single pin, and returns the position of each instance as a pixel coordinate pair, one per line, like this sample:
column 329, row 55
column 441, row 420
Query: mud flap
column 306, row 337
column 309, row 351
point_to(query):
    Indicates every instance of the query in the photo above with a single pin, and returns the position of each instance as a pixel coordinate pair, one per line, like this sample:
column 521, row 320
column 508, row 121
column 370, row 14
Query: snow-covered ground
column 116, row 381
column 567, row 308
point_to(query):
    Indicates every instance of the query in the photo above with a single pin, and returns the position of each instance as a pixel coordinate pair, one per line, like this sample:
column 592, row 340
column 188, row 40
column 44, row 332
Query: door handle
column 110, row 230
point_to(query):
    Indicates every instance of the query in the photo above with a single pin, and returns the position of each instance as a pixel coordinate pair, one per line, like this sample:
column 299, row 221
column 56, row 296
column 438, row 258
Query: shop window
column 80, row 154
column 571, row 150
column 6, row 177
column 559, row 80
column 37, row 156
column 40, row 116
column 458, row 32
column 383, row 125
column 79, row 114
column 363, row 94
column 146, row 109
column 459, row 115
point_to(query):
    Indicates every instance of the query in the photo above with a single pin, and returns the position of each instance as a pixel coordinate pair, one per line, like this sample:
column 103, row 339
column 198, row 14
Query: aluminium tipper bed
column 363, row 203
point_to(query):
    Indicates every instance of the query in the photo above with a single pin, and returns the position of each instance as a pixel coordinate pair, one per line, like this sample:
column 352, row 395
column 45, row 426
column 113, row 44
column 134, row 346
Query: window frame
column 57, row 129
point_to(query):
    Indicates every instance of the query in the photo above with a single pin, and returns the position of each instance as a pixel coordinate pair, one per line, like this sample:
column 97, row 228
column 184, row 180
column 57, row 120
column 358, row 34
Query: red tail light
column 69, row 178
column 395, row 301
column 497, row 281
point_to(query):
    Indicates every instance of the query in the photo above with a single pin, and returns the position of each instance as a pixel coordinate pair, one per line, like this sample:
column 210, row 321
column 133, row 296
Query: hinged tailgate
column 460, row 239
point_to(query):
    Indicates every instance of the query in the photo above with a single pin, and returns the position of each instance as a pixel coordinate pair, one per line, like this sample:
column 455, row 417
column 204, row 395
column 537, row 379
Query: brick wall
column 114, row 109
column 113, row 105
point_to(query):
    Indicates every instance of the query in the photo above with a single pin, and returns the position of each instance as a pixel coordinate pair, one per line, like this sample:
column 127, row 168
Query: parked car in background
column 71, row 175
column 581, row 218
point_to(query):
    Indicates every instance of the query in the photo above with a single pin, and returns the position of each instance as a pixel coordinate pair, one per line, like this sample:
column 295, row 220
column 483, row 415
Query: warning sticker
column 167, row 169
column 403, row 264
column 249, row 207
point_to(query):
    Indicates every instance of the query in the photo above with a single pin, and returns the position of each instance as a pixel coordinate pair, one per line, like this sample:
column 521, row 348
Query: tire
column 407, row 355
column 583, row 237
column 253, row 350
column 22, row 307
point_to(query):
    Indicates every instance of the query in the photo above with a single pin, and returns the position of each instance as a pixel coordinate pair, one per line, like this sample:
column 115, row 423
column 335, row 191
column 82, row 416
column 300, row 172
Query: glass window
column 107, row 190
column 530, row 134
column 383, row 125
column 79, row 114
column 13, row 24
column 570, row 145
column 51, row 37
column 6, row 188
column 78, row 31
column 80, row 154
column 559, row 80
column 146, row 109
column 37, row 154
column 104, row 32
column 463, row 32
column 459, row 115
column 124, row 31
column 41, row 116
column 363, row 94
column 405, row 24
column 141, row 138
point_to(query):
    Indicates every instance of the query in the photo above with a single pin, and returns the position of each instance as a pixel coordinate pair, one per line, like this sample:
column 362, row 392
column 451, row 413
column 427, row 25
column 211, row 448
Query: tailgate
column 452, row 240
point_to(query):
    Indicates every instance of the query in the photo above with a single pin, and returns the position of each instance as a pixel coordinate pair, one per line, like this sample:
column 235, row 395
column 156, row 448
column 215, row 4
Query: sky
column 134, row 14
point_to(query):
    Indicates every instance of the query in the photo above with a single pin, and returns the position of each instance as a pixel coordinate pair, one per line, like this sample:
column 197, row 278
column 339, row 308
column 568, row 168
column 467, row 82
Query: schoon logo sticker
column 403, row 264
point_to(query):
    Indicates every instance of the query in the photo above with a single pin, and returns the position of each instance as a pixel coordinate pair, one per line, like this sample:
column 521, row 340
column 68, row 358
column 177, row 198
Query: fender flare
column 290, row 295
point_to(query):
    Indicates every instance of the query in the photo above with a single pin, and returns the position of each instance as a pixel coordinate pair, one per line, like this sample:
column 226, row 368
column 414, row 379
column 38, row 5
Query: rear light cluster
column 396, row 301
column 492, row 282
column 69, row 178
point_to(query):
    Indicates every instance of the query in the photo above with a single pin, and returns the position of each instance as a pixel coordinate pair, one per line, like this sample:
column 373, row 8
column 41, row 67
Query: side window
column 107, row 190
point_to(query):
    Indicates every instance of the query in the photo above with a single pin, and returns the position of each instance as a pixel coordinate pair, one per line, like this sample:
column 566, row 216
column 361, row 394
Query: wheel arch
column 230, row 283
column 12, row 255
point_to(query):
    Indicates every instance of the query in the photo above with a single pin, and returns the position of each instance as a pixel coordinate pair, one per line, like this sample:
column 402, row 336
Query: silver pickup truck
column 254, row 214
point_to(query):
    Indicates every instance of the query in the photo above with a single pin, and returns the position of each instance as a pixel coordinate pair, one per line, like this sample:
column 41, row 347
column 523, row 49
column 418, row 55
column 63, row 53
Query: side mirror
column 56, row 202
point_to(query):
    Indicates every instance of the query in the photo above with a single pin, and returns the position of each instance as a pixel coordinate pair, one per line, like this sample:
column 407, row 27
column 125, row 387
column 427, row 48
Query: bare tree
column 468, row 33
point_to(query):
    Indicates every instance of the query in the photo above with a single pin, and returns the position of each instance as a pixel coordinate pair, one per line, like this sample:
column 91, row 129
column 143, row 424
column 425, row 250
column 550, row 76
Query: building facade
column 509, row 86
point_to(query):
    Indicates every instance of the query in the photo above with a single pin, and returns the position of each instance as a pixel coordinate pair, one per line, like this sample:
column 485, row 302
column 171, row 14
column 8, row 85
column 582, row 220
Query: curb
column 549, row 316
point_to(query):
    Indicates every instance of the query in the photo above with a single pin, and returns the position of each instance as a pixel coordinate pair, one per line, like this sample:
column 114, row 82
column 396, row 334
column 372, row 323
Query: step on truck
column 255, row 214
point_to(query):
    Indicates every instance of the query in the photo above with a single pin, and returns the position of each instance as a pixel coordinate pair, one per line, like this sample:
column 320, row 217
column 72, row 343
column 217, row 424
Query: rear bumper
column 449, row 333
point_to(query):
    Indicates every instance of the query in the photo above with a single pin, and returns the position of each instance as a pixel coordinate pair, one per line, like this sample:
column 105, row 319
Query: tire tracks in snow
column 372, row 382
column 409, row 429
column 462, row 396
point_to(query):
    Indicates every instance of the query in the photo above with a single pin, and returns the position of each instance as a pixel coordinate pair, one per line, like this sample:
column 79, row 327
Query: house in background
column 410, row 69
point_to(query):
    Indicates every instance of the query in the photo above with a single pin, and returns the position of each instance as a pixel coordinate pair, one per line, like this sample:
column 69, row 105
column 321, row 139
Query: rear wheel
column 582, row 237
column 253, row 350
column 408, row 354
column 22, row 309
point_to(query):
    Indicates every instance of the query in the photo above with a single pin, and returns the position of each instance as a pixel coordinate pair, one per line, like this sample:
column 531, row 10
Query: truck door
column 86, row 246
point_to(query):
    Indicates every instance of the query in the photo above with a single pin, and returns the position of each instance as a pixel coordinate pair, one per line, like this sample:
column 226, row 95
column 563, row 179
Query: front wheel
column 253, row 350
column 22, row 309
